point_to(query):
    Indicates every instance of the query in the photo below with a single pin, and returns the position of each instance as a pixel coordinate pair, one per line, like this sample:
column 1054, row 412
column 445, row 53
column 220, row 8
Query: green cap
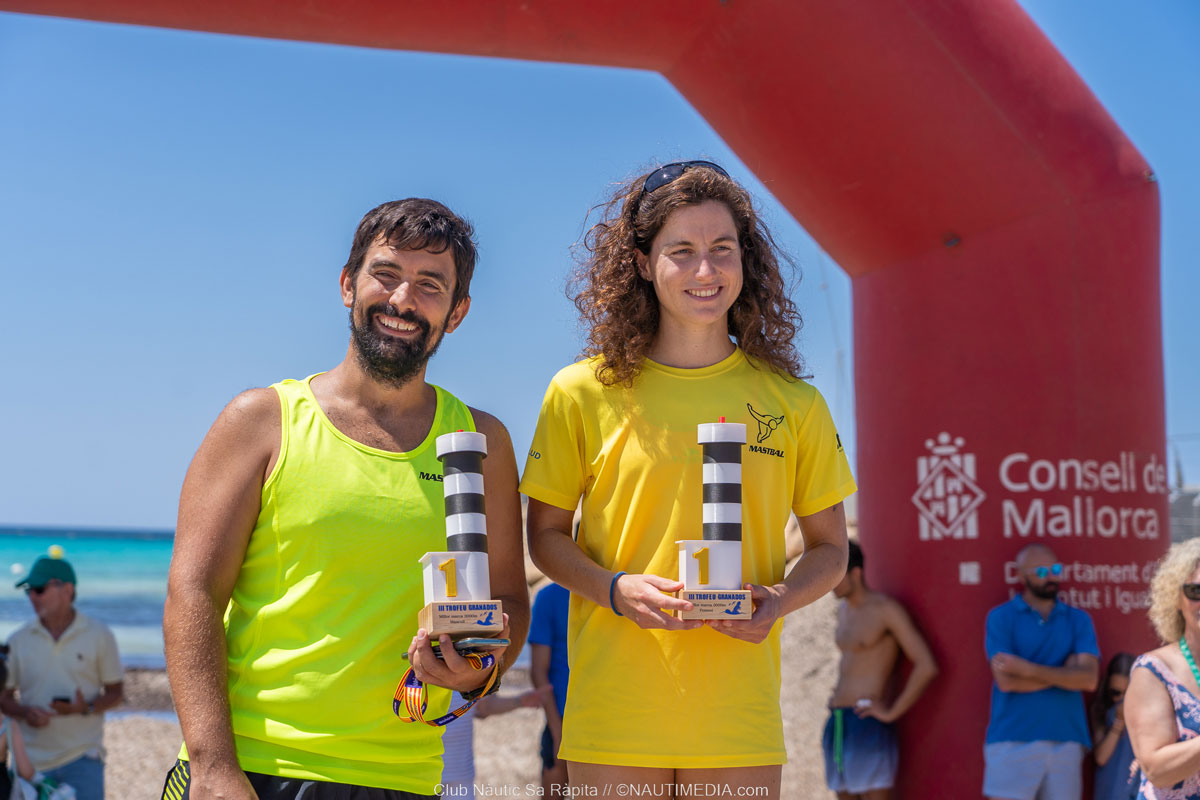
column 46, row 569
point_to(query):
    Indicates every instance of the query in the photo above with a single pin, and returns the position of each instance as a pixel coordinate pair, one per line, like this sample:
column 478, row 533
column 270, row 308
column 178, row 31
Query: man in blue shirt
column 1043, row 656
column 548, row 647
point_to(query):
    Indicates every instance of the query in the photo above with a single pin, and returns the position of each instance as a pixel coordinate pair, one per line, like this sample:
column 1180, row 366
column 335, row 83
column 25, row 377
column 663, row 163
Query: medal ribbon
column 1187, row 653
column 412, row 696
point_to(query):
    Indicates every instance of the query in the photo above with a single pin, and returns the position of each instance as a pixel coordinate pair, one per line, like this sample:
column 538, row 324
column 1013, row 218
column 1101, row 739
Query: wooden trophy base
column 717, row 604
column 469, row 617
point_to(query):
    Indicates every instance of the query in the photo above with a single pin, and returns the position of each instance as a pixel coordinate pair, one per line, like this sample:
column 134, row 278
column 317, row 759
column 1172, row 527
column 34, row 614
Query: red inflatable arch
column 1002, row 235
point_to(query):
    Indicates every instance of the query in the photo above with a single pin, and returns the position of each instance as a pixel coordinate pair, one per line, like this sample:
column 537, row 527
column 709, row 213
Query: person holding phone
column 64, row 672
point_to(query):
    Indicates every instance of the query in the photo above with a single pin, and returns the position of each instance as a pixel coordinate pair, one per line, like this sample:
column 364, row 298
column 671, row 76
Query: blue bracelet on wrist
column 612, row 589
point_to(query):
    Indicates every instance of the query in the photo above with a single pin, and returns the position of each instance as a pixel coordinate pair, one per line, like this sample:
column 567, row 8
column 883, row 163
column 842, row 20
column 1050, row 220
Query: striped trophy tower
column 458, row 591
column 711, row 568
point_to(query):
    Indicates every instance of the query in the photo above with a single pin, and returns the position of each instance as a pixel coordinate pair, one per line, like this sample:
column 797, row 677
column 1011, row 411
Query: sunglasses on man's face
column 1191, row 591
column 39, row 590
column 1046, row 572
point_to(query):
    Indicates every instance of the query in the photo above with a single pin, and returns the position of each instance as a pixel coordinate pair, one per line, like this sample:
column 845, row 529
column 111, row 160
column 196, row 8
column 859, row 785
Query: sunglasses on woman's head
column 1191, row 591
column 670, row 172
column 1046, row 572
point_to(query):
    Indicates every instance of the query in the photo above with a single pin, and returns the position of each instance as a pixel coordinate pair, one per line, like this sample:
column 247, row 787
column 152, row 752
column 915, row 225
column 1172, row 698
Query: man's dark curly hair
column 417, row 223
column 619, row 306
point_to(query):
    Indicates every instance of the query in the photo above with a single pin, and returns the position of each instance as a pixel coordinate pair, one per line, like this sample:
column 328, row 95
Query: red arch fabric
column 1002, row 236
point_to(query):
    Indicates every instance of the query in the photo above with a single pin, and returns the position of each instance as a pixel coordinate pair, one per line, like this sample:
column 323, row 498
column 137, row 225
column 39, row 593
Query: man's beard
column 1047, row 591
column 390, row 360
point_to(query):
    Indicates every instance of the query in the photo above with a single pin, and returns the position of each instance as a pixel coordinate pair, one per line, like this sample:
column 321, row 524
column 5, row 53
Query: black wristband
column 477, row 693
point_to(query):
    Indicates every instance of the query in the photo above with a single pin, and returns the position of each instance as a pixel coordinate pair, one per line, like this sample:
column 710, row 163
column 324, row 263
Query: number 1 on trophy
column 701, row 555
column 447, row 567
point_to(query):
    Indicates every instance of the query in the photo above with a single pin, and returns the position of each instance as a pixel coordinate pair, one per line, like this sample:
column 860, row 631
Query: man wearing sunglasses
column 1043, row 655
column 63, row 673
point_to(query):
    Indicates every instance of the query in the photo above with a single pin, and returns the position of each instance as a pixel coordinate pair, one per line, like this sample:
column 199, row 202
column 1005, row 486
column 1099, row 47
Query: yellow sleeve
column 554, row 468
column 823, row 476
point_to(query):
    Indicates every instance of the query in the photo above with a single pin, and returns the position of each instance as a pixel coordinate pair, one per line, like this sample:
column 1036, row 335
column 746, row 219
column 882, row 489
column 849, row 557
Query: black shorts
column 547, row 750
column 271, row 787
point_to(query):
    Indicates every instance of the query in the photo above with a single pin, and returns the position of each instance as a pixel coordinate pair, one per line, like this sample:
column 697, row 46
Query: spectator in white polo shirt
column 63, row 673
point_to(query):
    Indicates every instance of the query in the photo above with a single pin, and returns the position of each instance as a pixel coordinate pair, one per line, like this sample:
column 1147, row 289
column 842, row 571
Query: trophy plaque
column 711, row 568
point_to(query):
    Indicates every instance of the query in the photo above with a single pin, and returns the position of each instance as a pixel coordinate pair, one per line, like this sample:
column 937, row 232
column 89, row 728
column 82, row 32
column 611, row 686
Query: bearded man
column 1043, row 656
column 294, row 588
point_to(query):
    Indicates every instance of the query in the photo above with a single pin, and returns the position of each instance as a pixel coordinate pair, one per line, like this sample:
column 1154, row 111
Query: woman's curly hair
column 1174, row 570
column 619, row 307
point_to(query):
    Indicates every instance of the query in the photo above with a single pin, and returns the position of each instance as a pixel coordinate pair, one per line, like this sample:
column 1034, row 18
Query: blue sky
column 175, row 207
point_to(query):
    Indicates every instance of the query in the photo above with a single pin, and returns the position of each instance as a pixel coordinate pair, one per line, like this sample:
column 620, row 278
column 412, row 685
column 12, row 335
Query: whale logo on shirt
column 766, row 423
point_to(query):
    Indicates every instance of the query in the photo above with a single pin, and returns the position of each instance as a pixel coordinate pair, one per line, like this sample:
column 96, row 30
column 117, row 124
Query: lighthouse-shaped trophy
column 458, row 591
column 711, row 568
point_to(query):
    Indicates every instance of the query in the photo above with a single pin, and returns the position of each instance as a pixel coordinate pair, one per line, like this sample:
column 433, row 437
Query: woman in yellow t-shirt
column 689, row 321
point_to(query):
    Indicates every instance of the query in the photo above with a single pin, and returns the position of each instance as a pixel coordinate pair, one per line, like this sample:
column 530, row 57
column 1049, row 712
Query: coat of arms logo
column 947, row 497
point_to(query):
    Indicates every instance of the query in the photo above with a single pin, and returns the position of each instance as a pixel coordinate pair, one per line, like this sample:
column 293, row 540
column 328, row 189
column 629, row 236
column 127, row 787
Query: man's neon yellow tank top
column 327, row 600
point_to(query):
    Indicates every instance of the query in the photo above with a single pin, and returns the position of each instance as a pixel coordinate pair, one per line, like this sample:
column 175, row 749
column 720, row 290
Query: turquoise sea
column 122, row 581
column 122, row 578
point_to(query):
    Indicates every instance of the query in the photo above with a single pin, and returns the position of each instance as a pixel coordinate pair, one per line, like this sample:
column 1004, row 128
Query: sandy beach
column 143, row 737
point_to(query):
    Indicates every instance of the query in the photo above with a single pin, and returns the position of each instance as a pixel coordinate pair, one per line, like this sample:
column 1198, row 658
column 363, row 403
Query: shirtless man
column 872, row 631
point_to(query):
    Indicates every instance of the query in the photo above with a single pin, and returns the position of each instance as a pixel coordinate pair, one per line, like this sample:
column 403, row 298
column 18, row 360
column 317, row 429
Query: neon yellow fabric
column 677, row 698
column 327, row 602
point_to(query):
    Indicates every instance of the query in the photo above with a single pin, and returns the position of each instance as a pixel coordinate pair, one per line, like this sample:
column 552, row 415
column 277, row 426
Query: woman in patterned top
column 1162, row 712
